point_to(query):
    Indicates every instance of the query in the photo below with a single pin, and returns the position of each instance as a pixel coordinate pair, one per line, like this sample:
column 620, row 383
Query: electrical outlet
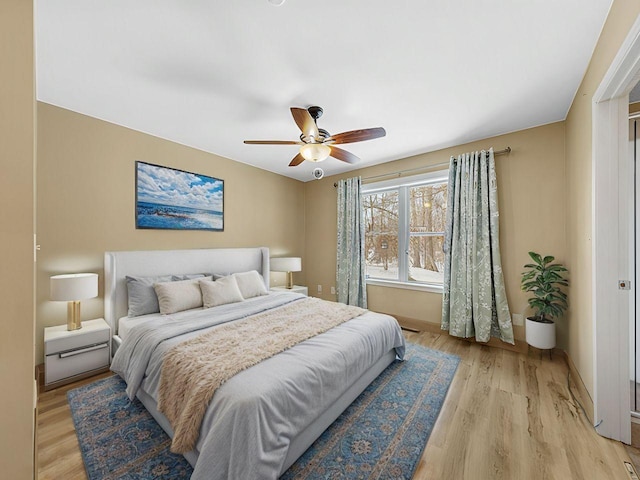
column 333, row 290
column 517, row 319
column 631, row 471
column 319, row 288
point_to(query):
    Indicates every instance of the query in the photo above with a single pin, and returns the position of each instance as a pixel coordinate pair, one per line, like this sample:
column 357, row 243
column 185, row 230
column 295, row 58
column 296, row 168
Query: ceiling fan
column 316, row 143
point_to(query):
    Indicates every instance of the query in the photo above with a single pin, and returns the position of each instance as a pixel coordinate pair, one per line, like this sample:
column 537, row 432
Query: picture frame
column 173, row 199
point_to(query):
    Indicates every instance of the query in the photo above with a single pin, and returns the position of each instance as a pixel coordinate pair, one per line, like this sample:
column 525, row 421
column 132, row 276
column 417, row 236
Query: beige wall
column 579, row 192
column 545, row 200
column 531, row 190
column 17, row 155
column 86, row 200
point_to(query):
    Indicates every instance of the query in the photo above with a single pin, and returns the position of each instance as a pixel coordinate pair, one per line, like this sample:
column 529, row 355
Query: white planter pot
column 541, row 335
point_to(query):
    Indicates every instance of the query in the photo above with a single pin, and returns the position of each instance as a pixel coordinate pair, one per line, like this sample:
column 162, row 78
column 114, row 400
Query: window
column 404, row 230
column 381, row 234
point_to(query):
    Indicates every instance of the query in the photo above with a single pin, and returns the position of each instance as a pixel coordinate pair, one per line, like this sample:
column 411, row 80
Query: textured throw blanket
column 194, row 369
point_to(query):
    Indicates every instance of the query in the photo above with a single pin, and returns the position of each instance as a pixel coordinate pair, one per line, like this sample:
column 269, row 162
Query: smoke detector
column 317, row 173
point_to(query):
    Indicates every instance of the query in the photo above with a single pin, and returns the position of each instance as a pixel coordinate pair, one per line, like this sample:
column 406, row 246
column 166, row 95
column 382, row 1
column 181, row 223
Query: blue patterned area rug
column 381, row 435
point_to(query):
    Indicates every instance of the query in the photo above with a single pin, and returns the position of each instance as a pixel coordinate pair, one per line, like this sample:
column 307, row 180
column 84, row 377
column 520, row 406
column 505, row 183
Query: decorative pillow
column 251, row 284
column 178, row 296
column 142, row 296
column 188, row 276
column 220, row 292
column 218, row 276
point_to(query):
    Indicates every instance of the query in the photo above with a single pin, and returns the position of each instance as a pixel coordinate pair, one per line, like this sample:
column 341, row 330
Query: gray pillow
column 188, row 276
column 142, row 296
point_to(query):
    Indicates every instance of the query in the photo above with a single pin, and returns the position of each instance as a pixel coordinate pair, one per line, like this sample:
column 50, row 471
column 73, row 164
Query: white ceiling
column 210, row 74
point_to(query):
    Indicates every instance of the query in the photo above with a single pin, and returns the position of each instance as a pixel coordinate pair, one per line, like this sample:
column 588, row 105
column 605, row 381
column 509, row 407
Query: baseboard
column 416, row 325
column 582, row 394
column 423, row 326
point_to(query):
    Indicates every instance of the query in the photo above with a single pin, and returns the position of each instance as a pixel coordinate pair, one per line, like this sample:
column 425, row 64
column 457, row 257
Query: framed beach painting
column 171, row 199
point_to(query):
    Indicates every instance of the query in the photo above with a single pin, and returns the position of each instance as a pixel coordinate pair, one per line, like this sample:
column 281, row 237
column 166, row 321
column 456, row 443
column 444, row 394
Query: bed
column 263, row 418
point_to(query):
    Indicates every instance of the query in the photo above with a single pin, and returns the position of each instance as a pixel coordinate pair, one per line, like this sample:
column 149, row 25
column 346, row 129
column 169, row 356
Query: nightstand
column 296, row 289
column 72, row 355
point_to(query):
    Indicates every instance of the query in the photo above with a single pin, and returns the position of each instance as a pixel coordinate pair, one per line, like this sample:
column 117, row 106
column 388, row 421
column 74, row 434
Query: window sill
column 422, row 287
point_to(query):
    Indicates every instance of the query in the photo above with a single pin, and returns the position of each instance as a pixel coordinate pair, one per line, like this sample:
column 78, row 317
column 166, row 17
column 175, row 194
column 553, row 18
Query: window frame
column 402, row 185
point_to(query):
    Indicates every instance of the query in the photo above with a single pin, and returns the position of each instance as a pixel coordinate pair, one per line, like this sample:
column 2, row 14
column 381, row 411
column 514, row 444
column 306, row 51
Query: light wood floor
column 507, row 416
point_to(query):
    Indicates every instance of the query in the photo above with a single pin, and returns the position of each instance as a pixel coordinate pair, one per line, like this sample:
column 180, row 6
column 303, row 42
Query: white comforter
column 254, row 416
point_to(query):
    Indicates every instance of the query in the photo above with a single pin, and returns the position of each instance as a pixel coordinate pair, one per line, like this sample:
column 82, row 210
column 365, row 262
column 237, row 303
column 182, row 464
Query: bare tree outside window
column 406, row 221
column 427, row 217
column 381, row 234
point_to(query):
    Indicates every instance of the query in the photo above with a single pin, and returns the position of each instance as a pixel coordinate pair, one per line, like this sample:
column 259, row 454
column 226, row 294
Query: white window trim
column 423, row 287
column 438, row 176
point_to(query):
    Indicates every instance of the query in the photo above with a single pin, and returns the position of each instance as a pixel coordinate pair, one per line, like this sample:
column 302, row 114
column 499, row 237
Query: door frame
column 611, row 251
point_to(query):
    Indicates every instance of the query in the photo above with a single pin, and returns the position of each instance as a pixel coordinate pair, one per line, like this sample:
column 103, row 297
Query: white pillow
column 250, row 284
column 178, row 296
column 220, row 292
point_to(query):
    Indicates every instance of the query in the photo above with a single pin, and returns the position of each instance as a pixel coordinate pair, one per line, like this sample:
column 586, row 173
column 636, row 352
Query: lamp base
column 73, row 316
column 289, row 280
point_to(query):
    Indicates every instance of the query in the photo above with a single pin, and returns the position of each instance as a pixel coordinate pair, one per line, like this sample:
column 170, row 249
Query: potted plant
column 544, row 278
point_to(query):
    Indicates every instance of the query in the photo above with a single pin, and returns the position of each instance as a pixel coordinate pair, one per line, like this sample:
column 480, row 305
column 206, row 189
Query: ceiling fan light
column 315, row 152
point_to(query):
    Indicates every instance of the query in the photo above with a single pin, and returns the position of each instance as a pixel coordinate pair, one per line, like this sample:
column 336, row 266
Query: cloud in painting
column 177, row 188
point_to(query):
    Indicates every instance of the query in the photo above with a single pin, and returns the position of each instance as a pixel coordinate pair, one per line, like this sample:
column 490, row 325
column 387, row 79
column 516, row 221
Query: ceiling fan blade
column 343, row 155
column 273, row 142
column 357, row 135
column 305, row 122
column 297, row 160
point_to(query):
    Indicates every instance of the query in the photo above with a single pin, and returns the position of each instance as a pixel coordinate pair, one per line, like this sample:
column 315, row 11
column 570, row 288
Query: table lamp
column 289, row 265
column 72, row 288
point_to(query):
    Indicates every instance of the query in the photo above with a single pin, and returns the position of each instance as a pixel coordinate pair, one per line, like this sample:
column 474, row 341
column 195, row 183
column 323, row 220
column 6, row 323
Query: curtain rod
column 425, row 167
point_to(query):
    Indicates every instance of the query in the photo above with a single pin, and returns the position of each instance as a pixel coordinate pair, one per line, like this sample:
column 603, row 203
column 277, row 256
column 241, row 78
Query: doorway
column 613, row 243
column 634, row 308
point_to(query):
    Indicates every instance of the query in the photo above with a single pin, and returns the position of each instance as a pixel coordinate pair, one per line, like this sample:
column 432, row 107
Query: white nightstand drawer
column 59, row 339
column 59, row 366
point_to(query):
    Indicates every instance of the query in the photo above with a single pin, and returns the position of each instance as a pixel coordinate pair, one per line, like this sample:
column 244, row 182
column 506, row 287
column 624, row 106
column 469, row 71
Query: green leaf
column 557, row 268
column 543, row 280
column 533, row 265
column 536, row 258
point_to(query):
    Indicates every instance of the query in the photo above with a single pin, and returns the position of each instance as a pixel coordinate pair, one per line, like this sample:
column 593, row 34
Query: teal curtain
column 350, row 266
column 474, row 301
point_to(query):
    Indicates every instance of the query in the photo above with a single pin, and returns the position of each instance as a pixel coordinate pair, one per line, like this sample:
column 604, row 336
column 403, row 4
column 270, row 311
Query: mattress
column 125, row 324
column 255, row 416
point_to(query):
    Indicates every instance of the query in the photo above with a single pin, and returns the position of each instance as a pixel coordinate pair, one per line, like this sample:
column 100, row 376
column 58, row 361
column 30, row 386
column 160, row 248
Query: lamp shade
column 315, row 152
column 286, row 264
column 74, row 286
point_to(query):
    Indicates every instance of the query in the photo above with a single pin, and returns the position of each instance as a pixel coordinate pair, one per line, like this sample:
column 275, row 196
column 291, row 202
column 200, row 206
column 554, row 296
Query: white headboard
column 117, row 265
